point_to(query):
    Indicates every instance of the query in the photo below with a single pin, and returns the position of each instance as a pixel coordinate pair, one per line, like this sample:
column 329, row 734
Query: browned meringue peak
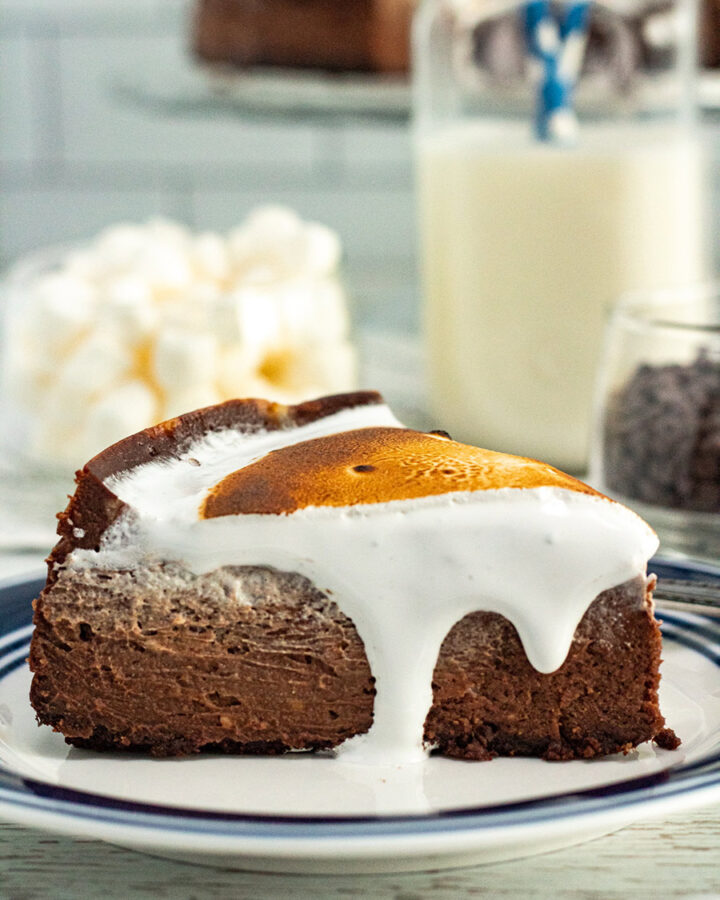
column 373, row 465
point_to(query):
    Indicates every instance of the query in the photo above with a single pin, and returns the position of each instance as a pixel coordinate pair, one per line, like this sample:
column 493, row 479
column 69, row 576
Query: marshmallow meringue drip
column 435, row 542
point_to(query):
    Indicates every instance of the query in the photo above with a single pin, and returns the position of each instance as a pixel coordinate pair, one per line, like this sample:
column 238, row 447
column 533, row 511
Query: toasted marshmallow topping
column 373, row 465
column 484, row 532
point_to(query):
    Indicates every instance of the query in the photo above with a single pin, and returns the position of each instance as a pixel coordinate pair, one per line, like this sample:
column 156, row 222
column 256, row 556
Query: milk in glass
column 525, row 245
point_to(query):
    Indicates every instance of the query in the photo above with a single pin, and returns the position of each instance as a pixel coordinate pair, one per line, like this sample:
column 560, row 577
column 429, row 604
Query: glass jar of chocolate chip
column 657, row 425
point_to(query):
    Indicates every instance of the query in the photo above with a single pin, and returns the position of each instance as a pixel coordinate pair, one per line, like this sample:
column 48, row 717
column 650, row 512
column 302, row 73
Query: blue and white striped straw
column 558, row 45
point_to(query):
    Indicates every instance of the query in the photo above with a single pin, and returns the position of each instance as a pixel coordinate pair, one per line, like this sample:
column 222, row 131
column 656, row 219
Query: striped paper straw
column 557, row 45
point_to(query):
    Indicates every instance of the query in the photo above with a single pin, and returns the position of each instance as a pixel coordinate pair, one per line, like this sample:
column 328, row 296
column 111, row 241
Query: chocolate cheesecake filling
column 252, row 660
column 192, row 650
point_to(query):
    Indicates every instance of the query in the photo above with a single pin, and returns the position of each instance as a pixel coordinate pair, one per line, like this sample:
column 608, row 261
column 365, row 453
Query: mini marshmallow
column 333, row 363
column 196, row 308
column 28, row 372
column 82, row 264
column 127, row 408
column 28, row 351
column 61, row 414
column 126, row 290
column 194, row 397
column 59, row 310
column 259, row 319
column 312, row 311
column 277, row 375
column 269, row 246
column 118, row 248
column 224, row 320
column 166, row 268
column 331, row 308
column 128, row 309
column 184, row 359
column 210, row 258
column 52, row 440
column 93, row 368
column 236, row 372
column 323, row 249
column 290, row 374
column 168, row 232
column 273, row 222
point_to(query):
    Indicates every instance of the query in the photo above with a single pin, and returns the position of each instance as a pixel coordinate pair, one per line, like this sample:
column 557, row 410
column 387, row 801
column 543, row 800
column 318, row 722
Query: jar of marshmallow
column 149, row 321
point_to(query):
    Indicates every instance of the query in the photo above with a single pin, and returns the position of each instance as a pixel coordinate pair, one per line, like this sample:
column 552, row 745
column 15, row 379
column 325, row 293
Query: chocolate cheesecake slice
column 253, row 578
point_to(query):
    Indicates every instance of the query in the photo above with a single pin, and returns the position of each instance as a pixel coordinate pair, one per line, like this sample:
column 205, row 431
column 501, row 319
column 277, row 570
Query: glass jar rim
column 38, row 261
column 680, row 309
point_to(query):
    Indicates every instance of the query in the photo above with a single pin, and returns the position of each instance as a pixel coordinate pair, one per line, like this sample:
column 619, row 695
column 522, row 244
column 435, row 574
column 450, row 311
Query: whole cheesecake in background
column 147, row 321
column 710, row 33
column 256, row 578
column 332, row 35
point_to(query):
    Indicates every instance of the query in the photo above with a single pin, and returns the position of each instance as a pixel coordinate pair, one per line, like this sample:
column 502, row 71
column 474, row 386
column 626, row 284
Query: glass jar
column 550, row 183
column 149, row 321
column 656, row 444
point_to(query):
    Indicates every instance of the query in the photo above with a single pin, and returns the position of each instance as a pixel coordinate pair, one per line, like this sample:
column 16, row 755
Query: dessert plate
column 305, row 813
column 176, row 87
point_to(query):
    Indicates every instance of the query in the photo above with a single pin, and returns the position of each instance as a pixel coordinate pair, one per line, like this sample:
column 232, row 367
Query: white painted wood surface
column 675, row 858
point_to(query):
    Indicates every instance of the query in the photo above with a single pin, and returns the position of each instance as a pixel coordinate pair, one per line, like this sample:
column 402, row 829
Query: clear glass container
column 656, row 443
column 149, row 321
column 535, row 215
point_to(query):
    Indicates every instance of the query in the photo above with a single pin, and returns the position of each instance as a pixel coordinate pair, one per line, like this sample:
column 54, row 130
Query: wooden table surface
column 676, row 857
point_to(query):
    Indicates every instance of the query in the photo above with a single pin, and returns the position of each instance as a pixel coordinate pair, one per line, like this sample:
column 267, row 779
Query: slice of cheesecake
column 256, row 578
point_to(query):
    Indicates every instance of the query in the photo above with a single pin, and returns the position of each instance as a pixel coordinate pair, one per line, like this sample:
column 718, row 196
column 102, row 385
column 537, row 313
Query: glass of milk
column 527, row 239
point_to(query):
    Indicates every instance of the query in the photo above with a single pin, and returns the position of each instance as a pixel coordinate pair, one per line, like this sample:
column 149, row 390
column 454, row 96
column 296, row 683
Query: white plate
column 180, row 86
column 303, row 813
column 183, row 87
